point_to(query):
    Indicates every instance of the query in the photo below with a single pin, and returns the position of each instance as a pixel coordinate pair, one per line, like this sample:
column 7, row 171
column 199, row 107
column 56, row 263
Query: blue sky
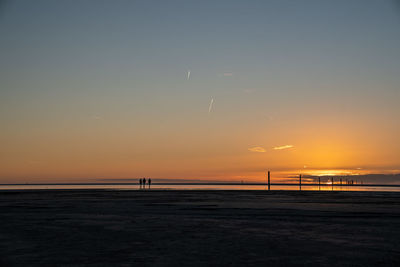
column 278, row 73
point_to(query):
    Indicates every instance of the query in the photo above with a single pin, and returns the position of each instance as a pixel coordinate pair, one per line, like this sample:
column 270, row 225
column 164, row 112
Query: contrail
column 211, row 104
column 188, row 74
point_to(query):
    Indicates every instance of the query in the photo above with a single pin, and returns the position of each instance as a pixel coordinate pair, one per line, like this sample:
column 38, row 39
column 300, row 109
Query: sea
column 197, row 186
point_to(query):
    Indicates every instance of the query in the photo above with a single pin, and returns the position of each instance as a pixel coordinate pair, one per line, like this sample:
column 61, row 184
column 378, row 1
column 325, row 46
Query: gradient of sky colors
column 198, row 89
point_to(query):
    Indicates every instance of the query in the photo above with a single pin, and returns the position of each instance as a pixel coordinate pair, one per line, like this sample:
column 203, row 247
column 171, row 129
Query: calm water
column 198, row 187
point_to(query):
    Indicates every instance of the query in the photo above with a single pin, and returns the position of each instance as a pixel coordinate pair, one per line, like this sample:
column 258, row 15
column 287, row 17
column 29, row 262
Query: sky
column 213, row 90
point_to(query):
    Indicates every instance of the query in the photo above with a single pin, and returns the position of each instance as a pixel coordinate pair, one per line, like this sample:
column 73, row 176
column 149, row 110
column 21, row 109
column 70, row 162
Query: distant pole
column 332, row 183
column 300, row 182
column 319, row 183
column 269, row 181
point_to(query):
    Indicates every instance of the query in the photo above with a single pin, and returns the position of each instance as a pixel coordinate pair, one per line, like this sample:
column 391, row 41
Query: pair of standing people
column 142, row 182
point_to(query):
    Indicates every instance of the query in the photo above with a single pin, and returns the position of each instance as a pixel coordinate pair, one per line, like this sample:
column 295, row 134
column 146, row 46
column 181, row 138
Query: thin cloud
column 257, row 149
column 96, row 117
column 211, row 105
column 228, row 74
column 188, row 74
column 248, row 91
column 283, row 147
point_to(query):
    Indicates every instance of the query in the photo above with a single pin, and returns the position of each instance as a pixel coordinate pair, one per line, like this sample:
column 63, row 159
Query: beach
column 198, row 228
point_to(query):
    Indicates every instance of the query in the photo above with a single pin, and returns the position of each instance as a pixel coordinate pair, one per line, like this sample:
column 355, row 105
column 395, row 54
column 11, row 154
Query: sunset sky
column 215, row 90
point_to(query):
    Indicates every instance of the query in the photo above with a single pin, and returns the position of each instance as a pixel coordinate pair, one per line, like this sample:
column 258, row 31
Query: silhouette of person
column 140, row 182
column 149, row 182
column 144, row 183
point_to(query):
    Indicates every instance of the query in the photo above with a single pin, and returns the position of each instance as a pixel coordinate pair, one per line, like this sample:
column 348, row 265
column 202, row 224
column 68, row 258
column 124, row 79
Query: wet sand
column 198, row 228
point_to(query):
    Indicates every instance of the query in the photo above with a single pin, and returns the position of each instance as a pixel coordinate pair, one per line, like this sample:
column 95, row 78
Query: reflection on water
column 200, row 187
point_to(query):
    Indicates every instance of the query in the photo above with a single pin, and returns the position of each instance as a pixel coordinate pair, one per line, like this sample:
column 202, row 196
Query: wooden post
column 300, row 182
column 319, row 183
column 269, row 182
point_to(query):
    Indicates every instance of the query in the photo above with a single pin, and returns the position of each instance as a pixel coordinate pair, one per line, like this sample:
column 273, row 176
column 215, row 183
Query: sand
column 198, row 228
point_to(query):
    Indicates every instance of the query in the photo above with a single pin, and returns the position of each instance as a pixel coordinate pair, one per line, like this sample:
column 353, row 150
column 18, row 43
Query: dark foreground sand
column 199, row 228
